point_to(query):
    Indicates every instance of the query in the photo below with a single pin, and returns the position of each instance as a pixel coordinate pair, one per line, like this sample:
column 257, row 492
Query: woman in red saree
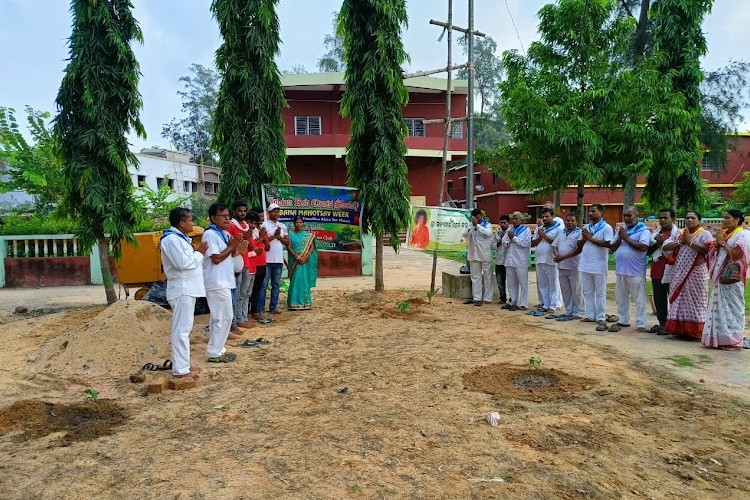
column 725, row 327
column 688, row 297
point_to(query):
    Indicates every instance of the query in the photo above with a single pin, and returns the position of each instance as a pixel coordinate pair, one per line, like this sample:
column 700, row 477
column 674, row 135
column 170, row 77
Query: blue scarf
column 224, row 235
column 595, row 229
column 551, row 227
column 640, row 226
column 169, row 231
column 568, row 233
column 518, row 231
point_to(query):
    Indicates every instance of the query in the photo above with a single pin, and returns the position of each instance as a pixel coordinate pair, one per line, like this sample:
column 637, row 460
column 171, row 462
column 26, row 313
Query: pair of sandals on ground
column 615, row 327
column 550, row 314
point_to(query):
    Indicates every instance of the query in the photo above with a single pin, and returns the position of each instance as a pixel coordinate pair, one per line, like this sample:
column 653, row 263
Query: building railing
column 14, row 246
column 40, row 245
column 680, row 222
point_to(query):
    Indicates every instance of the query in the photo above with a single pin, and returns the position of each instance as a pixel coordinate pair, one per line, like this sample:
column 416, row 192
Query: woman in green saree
column 303, row 267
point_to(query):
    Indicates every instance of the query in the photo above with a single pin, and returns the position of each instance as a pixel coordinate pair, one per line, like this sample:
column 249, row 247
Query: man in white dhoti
column 478, row 238
column 567, row 254
column 546, row 268
column 518, row 243
column 182, row 266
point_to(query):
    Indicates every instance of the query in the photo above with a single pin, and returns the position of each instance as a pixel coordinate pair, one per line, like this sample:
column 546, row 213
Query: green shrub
column 36, row 224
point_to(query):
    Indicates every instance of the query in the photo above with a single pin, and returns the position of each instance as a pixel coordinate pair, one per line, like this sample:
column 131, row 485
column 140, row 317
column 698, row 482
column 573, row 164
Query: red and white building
column 317, row 134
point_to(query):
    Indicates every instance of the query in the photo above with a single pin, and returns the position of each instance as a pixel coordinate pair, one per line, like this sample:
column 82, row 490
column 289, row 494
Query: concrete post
column 3, row 254
column 96, row 268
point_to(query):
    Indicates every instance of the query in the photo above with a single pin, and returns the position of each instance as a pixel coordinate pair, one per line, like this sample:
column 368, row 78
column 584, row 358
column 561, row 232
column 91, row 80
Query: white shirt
column 519, row 248
column 566, row 244
column 275, row 254
column 595, row 259
column 628, row 260
column 501, row 249
column 182, row 265
column 217, row 276
column 544, row 248
column 479, row 242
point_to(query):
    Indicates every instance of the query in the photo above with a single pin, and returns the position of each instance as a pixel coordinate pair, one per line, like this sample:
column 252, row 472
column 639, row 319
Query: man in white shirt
column 630, row 245
column 567, row 254
column 478, row 238
column 502, row 228
column 182, row 266
column 518, row 247
column 597, row 236
column 278, row 237
column 218, row 275
column 547, row 276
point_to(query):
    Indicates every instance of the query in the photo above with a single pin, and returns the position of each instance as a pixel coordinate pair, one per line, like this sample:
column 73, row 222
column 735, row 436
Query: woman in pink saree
column 688, row 297
column 725, row 327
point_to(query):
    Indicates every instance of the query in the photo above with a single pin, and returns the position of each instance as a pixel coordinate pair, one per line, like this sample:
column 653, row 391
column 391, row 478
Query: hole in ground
column 523, row 383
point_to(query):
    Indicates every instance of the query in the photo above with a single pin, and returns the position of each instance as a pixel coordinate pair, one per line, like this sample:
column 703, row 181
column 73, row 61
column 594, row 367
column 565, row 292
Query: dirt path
column 358, row 399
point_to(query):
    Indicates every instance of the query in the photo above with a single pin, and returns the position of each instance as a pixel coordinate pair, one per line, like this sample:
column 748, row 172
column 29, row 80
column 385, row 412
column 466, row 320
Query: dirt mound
column 524, row 383
column 120, row 338
column 80, row 421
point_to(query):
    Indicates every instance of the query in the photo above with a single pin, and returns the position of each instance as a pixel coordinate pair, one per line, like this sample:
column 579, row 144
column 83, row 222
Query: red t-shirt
column 233, row 230
column 657, row 266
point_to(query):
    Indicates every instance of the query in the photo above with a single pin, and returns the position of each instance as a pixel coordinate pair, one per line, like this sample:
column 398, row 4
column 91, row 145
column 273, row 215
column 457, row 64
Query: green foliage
column 248, row 129
column 34, row 168
column 98, row 104
column 403, row 305
column 533, row 363
column 37, row 224
column 741, row 195
column 192, row 134
column 93, row 394
column 562, row 102
column 678, row 45
column 487, row 72
column 374, row 99
column 333, row 60
column 153, row 204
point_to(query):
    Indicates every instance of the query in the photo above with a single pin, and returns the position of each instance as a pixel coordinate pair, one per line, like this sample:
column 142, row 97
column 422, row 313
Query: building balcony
column 334, row 144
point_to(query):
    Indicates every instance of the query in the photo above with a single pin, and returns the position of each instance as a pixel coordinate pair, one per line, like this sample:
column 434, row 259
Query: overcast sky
column 177, row 33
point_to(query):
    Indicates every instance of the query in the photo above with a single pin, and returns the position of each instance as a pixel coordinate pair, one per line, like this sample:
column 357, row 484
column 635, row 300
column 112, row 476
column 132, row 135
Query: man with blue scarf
column 478, row 238
column 597, row 236
column 547, row 278
column 183, row 267
column 630, row 245
column 517, row 240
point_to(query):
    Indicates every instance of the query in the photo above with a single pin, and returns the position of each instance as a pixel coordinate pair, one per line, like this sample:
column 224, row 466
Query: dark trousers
column 260, row 274
column 661, row 292
column 500, row 277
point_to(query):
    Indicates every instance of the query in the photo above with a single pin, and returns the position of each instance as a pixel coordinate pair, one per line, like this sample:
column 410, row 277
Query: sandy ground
column 358, row 399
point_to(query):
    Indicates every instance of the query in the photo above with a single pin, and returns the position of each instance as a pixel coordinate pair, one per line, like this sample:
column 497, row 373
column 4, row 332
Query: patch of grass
column 403, row 305
column 683, row 361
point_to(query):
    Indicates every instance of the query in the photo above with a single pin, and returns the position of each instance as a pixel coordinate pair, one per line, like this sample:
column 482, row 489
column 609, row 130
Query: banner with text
column 331, row 212
column 437, row 228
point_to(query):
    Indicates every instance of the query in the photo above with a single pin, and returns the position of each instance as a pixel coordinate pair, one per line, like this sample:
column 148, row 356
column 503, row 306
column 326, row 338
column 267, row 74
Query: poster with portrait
column 437, row 228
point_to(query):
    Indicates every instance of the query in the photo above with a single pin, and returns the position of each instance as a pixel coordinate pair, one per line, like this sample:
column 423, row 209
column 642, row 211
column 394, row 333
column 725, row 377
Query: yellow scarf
column 731, row 235
column 696, row 233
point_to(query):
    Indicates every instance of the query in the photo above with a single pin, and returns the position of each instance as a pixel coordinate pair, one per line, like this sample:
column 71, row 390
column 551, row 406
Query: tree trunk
column 379, row 284
column 558, row 200
column 109, row 286
column 629, row 194
column 674, row 194
column 579, row 203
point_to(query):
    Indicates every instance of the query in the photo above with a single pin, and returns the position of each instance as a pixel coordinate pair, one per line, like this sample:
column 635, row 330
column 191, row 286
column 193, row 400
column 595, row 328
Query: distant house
column 162, row 166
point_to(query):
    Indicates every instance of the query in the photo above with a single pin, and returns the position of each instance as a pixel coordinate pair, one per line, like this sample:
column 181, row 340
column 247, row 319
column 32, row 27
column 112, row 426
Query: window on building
column 159, row 182
column 307, row 125
column 141, row 180
column 457, row 130
column 186, row 186
column 415, row 126
column 707, row 165
column 193, row 187
column 477, row 178
column 170, row 183
column 495, row 179
column 450, row 187
column 210, row 187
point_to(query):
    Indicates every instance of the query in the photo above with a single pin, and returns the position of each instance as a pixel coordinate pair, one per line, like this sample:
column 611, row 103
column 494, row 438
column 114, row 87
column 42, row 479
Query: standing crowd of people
column 240, row 255
column 572, row 268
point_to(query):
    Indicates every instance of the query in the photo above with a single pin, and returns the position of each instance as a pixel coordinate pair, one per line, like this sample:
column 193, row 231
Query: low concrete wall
column 47, row 271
